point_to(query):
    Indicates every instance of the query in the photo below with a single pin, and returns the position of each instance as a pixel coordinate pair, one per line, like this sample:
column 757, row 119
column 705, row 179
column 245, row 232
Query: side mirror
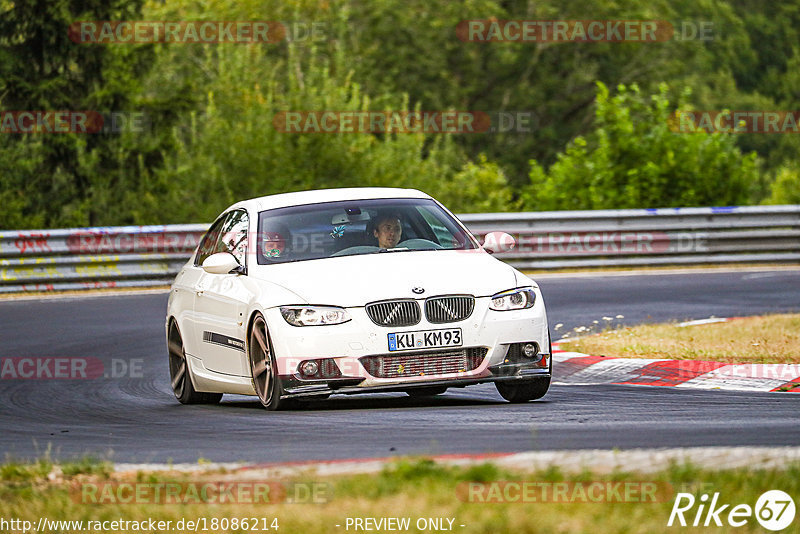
column 220, row 263
column 498, row 242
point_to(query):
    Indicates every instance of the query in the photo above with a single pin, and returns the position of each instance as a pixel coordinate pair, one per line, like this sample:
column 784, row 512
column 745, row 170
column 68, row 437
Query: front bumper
column 348, row 343
column 296, row 387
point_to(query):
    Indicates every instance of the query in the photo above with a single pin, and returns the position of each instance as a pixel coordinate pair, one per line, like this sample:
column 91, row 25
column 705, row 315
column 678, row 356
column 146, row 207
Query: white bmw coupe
column 303, row 295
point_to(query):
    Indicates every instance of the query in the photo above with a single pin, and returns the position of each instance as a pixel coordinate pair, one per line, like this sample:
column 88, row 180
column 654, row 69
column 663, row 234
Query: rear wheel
column 180, row 378
column 426, row 392
column 263, row 366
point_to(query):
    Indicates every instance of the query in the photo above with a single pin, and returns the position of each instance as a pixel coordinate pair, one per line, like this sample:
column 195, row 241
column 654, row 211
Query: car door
column 220, row 303
column 185, row 289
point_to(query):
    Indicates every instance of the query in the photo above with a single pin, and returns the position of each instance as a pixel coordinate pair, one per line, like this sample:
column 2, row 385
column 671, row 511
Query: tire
column 523, row 391
column 429, row 391
column 179, row 375
column 263, row 368
column 527, row 390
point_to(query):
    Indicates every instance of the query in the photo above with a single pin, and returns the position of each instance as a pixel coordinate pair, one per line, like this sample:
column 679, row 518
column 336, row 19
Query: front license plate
column 425, row 339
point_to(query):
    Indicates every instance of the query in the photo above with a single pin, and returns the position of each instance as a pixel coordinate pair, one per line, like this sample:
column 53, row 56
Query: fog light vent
column 320, row 369
column 523, row 353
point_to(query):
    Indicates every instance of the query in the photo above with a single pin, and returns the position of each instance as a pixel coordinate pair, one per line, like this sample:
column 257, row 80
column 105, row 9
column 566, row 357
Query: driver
column 275, row 241
column 388, row 229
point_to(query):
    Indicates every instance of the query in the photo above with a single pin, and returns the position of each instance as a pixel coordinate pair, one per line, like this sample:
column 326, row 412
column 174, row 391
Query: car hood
column 356, row 280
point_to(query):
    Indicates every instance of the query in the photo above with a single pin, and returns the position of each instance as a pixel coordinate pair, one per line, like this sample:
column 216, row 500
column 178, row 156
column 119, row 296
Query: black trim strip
column 224, row 341
column 322, row 390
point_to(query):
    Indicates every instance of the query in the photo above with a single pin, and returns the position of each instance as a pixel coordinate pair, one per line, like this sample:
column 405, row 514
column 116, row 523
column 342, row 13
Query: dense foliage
column 599, row 139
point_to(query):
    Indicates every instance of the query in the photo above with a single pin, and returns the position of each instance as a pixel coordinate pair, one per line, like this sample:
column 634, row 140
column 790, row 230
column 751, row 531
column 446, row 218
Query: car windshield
column 352, row 227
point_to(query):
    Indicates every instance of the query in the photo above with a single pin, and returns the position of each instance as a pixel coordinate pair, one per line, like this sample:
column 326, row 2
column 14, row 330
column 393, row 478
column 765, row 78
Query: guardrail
column 142, row 256
column 647, row 237
column 89, row 258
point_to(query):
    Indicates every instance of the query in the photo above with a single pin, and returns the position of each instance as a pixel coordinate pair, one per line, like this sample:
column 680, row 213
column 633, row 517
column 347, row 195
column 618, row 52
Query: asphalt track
column 135, row 418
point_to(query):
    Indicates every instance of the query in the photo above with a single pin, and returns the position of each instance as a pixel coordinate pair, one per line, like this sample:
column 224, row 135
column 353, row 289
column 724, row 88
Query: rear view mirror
column 220, row 263
column 350, row 215
column 498, row 242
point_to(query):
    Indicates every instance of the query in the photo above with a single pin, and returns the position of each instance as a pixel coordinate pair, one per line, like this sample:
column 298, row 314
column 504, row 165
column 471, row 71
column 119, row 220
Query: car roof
column 316, row 196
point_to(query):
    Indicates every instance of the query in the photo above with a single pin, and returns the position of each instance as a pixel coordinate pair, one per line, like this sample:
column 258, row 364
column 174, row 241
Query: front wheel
column 523, row 391
column 179, row 376
column 263, row 367
column 527, row 390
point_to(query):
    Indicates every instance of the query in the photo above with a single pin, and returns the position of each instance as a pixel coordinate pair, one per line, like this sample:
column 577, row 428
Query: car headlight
column 314, row 315
column 513, row 299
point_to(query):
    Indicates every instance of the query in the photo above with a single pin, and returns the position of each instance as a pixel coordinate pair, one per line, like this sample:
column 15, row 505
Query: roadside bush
column 634, row 160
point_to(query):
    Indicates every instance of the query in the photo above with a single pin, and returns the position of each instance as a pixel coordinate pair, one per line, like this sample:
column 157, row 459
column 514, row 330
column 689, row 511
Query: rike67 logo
column 774, row 510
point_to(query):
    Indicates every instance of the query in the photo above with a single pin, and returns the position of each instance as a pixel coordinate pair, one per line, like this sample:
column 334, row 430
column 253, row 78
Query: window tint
column 209, row 242
column 446, row 232
column 347, row 228
column 234, row 236
column 228, row 234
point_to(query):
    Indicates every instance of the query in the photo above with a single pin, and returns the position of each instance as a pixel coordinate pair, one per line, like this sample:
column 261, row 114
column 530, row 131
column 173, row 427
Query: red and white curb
column 575, row 368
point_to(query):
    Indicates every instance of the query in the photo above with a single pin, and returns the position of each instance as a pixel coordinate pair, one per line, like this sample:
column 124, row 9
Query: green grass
column 415, row 488
column 20, row 471
column 764, row 339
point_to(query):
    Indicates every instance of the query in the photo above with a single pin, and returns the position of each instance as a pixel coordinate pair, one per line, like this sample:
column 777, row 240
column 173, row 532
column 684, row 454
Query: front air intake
column 394, row 312
column 439, row 310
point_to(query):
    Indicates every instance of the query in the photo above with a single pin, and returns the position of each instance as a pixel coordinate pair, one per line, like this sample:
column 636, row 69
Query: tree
column 233, row 147
column 76, row 177
column 633, row 159
column 786, row 186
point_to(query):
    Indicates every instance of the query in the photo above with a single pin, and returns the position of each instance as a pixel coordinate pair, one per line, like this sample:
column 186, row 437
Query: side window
column 228, row 234
column 234, row 236
column 209, row 242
